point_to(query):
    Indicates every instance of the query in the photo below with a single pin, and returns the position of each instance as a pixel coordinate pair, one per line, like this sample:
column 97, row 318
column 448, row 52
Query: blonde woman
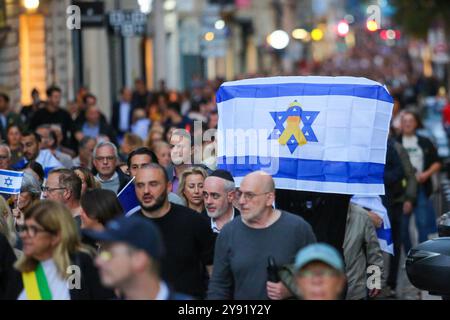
column 7, row 222
column 55, row 265
column 191, row 188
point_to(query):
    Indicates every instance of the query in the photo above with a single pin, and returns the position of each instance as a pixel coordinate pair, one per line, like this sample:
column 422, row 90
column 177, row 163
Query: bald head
column 260, row 181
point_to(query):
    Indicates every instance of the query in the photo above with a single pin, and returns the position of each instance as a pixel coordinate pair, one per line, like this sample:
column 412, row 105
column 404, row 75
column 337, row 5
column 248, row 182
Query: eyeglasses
column 32, row 231
column 109, row 158
column 107, row 254
column 318, row 273
column 50, row 190
column 248, row 196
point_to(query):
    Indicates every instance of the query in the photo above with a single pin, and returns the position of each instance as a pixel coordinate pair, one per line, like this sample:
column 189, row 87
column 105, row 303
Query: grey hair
column 30, row 184
column 8, row 150
column 228, row 186
column 84, row 142
column 106, row 144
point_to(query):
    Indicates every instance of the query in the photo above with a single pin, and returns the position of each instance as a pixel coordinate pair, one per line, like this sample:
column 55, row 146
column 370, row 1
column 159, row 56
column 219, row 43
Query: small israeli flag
column 384, row 233
column 128, row 200
column 10, row 181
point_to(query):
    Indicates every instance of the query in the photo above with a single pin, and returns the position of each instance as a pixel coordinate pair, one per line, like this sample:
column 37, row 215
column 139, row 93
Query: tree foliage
column 416, row 17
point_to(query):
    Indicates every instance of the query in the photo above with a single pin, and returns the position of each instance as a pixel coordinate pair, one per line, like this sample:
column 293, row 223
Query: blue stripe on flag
column 11, row 173
column 127, row 198
column 9, row 190
column 385, row 234
column 302, row 89
column 309, row 170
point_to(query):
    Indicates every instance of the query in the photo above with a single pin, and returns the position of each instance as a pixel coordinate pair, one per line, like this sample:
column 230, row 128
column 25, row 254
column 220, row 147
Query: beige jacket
column 361, row 250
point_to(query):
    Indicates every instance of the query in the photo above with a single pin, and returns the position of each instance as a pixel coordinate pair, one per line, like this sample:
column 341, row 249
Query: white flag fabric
column 320, row 134
column 10, row 181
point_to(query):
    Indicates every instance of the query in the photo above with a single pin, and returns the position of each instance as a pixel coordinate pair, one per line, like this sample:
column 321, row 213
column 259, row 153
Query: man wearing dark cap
column 218, row 195
column 129, row 261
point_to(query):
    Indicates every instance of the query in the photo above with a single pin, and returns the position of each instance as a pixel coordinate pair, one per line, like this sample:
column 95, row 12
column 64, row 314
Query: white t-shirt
column 57, row 285
column 48, row 161
column 411, row 144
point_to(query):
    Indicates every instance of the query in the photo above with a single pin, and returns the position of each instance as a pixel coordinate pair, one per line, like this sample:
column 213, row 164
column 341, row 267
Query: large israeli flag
column 384, row 233
column 321, row 134
column 10, row 181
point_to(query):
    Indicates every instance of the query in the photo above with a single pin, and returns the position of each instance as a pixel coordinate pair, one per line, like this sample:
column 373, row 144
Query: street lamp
column 219, row 25
column 209, row 36
column 31, row 4
column 145, row 6
column 278, row 39
column 343, row 28
column 170, row 5
column 300, row 34
column 317, row 34
column 372, row 25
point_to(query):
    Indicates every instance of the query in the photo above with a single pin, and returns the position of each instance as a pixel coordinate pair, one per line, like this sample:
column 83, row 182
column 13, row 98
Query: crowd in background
column 195, row 235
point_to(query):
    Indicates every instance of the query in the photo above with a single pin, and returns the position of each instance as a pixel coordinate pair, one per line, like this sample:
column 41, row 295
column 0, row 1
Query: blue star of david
column 8, row 182
column 308, row 118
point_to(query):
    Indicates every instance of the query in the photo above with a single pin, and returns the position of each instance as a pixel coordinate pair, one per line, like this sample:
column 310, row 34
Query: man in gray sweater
column 244, row 245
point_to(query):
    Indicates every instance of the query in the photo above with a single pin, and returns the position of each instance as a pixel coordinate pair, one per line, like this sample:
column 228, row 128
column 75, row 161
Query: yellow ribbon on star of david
column 293, row 129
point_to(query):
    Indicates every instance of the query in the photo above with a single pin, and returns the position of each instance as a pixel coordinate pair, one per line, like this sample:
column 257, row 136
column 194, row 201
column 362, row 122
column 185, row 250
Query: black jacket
column 430, row 156
column 7, row 260
column 115, row 119
column 90, row 286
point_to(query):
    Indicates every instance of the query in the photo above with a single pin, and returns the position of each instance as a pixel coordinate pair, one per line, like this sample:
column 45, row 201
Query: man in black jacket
column 122, row 112
column 54, row 114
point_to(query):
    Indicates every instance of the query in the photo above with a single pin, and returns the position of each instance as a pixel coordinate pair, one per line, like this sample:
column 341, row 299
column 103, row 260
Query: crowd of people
column 195, row 235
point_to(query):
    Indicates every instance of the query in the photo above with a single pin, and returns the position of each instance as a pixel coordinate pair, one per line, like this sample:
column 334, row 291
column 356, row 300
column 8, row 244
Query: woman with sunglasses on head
column 55, row 265
column 191, row 188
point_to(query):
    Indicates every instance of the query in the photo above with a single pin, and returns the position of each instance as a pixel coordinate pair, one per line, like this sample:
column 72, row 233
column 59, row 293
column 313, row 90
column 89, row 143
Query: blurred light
column 343, row 28
column 300, row 34
column 372, row 25
column 209, row 36
column 278, row 39
column 350, row 19
column 219, row 25
column 170, row 5
column 390, row 35
column 31, row 4
column 382, row 3
column 317, row 34
column 145, row 6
